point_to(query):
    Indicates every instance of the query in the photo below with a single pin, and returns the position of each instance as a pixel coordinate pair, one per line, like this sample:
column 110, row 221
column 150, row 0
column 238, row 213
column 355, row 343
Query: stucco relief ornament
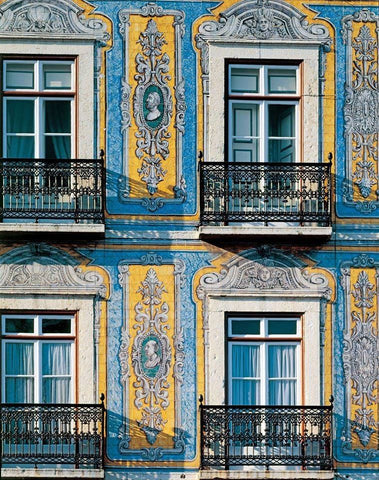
column 151, row 356
column 152, row 106
column 360, row 358
column 361, row 111
column 36, row 17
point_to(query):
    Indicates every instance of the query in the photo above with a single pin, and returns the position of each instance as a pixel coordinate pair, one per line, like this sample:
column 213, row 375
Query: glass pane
column 281, row 120
column 282, row 327
column 56, row 359
column 56, row 390
column 245, row 361
column 56, row 76
column 19, row 390
column 19, row 75
column 57, row 116
column 58, row 146
column 56, row 325
column 244, row 79
column 19, row 325
column 20, row 147
column 282, row 151
column 245, row 120
column 20, row 116
column 282, row 81
column 246, row 392
column 282, row 361
column 246, row 327
column 282, row 392
column 19, row 358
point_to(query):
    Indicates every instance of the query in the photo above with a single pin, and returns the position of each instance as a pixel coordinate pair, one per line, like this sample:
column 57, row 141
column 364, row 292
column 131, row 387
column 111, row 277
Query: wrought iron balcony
column 36, row 189
column 52, row 434
column 265, row 192
column 266, row 435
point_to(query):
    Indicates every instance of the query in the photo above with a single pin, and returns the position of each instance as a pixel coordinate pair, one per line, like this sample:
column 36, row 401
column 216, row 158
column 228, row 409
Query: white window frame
column 263, row 340
column 37, row 339
column 41, row 96
column 262, row 99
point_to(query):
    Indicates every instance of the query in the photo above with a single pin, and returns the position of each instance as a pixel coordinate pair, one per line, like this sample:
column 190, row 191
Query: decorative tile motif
column 360, row 357
column 152, row 357
column 154, row 107
column 361, row 110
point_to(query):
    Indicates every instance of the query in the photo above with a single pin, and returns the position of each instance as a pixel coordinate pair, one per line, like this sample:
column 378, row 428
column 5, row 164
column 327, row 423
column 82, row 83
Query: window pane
column 282, row 361
column 282, row 81
column 56, row 325
column 245, row 361
column 246, row 327
column 56, row 390
column 57, row 146
column 282, row 392
column 244, row 79
column 19, row 325
column 19, row 359
column 246, row 392
column 20, row 116
column 20, row 147
column 282, row 327
column 57, row 116
column 19, row 390
column 281, row 120
column 56, row 358
column 19, row 75
column 56, row 77
column 282, row 151
column 245, row 152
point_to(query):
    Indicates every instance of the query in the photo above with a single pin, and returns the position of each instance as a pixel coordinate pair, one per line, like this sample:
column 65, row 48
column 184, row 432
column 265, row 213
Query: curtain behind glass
column 57, row 120
column 20, row 119
column 245, row 363
column 282, row 374
column 19, row 370
column 56, row 371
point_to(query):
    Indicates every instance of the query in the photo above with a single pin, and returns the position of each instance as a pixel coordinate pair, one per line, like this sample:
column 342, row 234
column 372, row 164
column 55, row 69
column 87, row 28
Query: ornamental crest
column 152, row 106
column 361, row 110
column 151, row 356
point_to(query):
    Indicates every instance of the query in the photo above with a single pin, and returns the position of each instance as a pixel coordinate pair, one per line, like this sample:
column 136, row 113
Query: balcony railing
column 36, row 189
column 266, row 435
column 265, row 192
column 52, row 434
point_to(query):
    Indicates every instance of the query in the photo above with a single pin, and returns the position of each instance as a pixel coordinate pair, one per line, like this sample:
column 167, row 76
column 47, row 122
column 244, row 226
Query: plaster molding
column 259, row 20
column 41, row 269
column 36, row 18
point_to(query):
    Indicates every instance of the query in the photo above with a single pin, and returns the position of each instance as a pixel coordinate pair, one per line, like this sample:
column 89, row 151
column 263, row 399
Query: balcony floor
column 47, row 473
column 264, row 231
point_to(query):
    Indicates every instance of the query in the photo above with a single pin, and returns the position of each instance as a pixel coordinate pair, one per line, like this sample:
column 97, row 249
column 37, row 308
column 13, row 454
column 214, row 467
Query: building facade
column 189, row 239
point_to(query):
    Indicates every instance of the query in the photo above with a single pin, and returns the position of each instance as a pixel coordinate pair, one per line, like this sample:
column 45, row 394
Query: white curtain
column 19, row 364
column 282, row 374
column 245, row 363
column 56, row 371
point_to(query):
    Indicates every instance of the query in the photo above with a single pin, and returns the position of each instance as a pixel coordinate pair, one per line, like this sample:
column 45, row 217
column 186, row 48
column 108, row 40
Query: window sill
column 264, row 475
column 262, row 231
column 53, row 228
column 19, row 473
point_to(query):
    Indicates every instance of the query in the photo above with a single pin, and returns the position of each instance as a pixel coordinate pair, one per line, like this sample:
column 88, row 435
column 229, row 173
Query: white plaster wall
column 83, row 49
column 309, row 308
column 86, row 380
column 308, row 53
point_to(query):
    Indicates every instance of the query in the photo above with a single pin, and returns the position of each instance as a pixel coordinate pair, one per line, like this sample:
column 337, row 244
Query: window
column 37, row 358
column 38, row 109
column 264, row 360
column 263, row 102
